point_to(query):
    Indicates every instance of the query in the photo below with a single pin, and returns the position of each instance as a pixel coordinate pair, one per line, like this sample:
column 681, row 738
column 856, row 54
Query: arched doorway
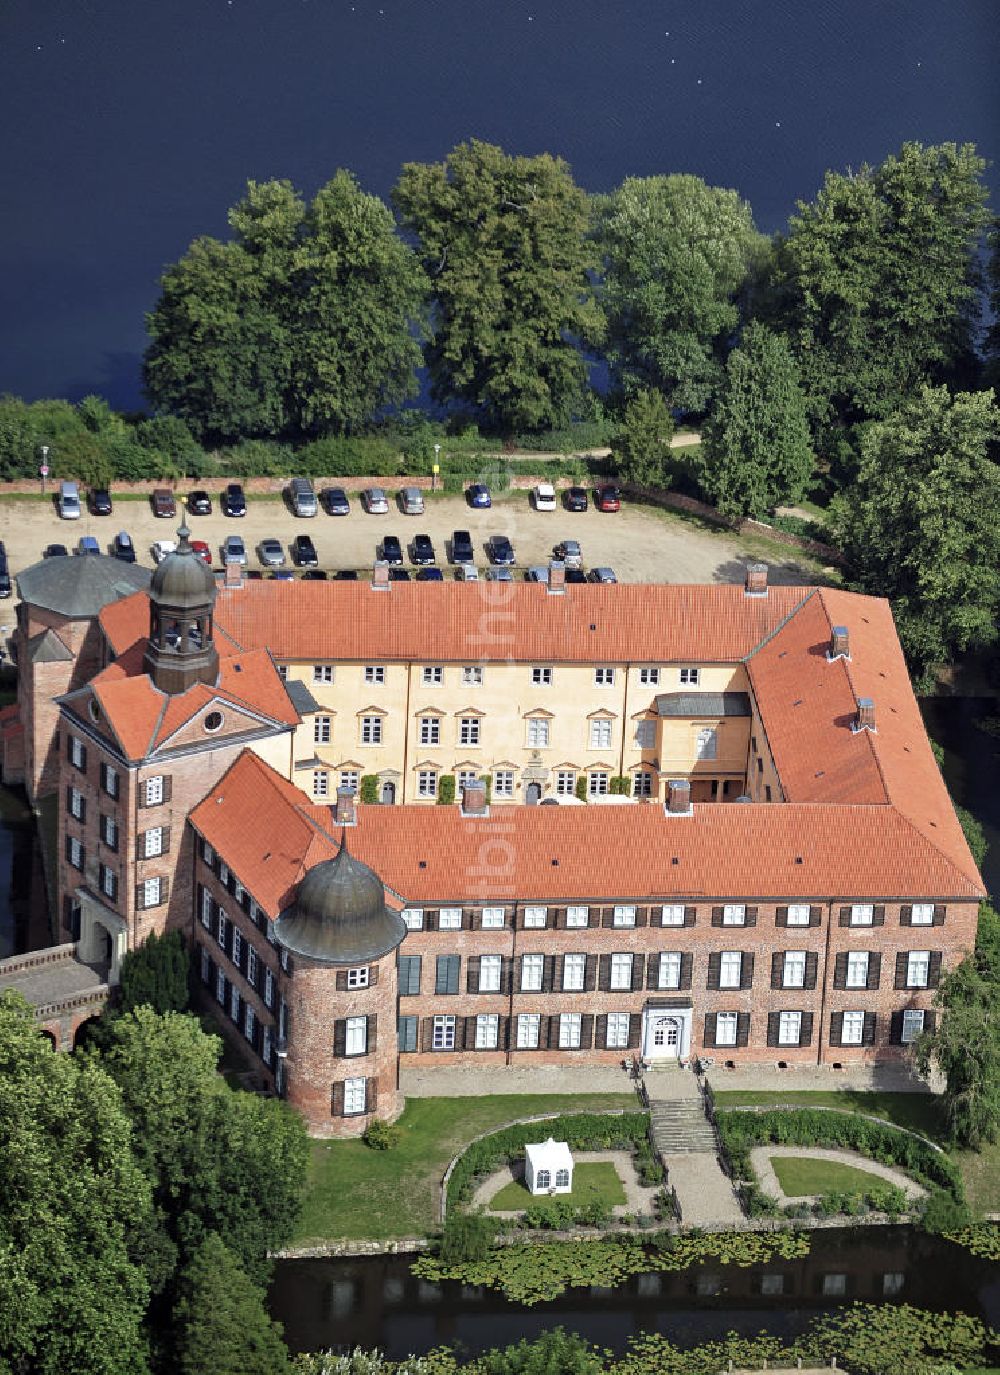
column 533, row 794
column 388, row 793
column 84, row 1035
column 666, row 1033
column 50, row 1036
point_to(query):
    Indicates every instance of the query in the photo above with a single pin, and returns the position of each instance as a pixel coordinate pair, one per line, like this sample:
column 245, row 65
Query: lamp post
column 43, row 470
column 436, row 468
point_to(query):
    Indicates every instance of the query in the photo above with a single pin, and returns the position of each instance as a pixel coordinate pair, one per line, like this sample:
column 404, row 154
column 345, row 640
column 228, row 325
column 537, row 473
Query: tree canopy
column 641, row 449
column 156, row 974
column 504, row 242
column 676, row 255
column 221, row 1326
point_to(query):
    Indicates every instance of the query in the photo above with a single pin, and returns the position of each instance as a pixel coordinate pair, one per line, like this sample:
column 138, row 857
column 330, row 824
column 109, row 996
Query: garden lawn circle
column 763, row 1158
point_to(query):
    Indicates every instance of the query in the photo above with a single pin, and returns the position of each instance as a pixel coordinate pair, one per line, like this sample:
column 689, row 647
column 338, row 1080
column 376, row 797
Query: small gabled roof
column 47, row 647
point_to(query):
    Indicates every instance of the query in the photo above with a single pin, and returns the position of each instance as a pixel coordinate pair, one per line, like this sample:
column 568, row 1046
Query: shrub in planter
column 581, row 787
column 446, row 790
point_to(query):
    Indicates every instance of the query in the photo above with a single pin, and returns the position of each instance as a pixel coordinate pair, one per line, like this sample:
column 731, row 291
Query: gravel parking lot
column 641, row 543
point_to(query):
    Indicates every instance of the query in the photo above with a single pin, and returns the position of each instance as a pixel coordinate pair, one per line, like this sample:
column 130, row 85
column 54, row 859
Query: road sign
column 44, row 470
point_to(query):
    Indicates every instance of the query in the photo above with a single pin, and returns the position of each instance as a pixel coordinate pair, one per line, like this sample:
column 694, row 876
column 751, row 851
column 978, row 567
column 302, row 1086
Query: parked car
column 100, row 501
column 608, row 498
column 375, row 502
column 163, row 547
column 89, row 545
column 234, row 502
column 392, row 550
column 500, row 574
column 411, row 501
column 6, row 586
column 501, row 551
column 570, row 552
column 461, row 547
column 335, row 502
column 575, row 499
column 346, row 575
column 55, row 551
column 575, row 575
column 538, row 572
column 314, row 575
column 271, row 553
column 478, row 495
column 399, row 575
column 304, row 552
column 199, row 503
column 602, row 575
column 301, row 497
column 163, row 503
column 234, row 550
column 69, row 501
column 202, row 550
column 122, row 547
column 467, row 572
column 422, row 550
column 429, row 575
column 545, row 497
column 282, row 575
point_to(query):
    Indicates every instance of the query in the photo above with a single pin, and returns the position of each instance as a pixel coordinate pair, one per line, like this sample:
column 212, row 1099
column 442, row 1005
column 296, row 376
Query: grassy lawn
column 595, row 1182
column 799, row 1176
column 353, row 1191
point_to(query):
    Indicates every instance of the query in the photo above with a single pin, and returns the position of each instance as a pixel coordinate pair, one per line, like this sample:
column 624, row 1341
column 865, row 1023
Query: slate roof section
column 698, row 704
column 80, row 587
column 47, row 647
column 302, row 699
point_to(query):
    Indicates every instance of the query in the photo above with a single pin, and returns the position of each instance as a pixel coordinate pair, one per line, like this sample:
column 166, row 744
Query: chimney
column 234, row 576
column 865, row 719
column 557, row 576
column 755, row 584
column 678, row 797
column 345, row 812
column 380, row 576
column 839, row 643
column 474, row 799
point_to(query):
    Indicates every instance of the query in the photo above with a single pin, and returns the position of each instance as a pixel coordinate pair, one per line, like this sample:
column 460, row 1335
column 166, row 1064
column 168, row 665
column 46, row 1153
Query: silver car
column 272, row 555
column 570, row 553
column 375, row 501
column 234, row 550
column 411, row 499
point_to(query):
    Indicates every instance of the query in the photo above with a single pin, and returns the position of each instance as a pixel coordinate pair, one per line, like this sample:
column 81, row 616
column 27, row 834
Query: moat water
column 24, row 923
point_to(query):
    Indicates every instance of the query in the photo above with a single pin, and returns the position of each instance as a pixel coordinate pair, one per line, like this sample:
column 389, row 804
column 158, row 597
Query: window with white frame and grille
column 356, row 1036
column 528, row 1026
column 669, row 974
column 358, row 977
column 487, row 1031
column 152, row 891
column 321, row 783
column 913, row 1025
column 569, row 1030
column 443, row 1033
column 604, row 676
column 789, row 1028
column 371, row 730
column 649, row 677
column 322, row 729
column 725, row 1028
column 541, row 676
column 857, row 968
column 430, row 730
column 153, row 842
column 600, row 735
column 355, row 1097
column 503, row 783
column 532, row 967
column 689, row 677
column 574, row 972
column 153, row 791
column 490, row 968
column 538, row 732
column 493, row 919
column 598, row 783
column 734, row 914
column 621, row 971
column 565, row 782
column 322, row 673
column 672, row 914
column 469, row 730
column 472, row 675
column 730, row 969
column 793, row 972
column 618, row 1025
column 427, row 783
column 642, row 783
column 577, row 917
column 375, row 673
column 350, row 779
column 450, row 919
column 535, row 918
column 798, row 914
column 432, row 675
column 922, row 914
column 852, row 1029
column 918, row 963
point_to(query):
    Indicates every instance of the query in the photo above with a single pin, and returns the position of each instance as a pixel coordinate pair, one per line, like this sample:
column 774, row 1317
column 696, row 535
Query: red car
column 202, row 550
column 608, row 499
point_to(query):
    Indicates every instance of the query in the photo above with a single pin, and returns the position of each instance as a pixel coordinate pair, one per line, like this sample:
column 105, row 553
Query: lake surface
column 131, row 128
column 378, row 1303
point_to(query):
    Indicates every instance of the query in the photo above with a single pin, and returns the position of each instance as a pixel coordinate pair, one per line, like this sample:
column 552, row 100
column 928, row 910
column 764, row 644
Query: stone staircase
column 680, row 1126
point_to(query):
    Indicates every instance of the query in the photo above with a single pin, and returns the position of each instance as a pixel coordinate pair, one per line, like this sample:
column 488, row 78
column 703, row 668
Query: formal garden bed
column 595, row 1183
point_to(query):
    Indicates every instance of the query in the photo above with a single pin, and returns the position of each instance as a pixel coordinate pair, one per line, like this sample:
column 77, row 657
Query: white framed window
column 355, row 1097
column 207, row 853
column 153, row 842
column 798, row 914
column 77, row 754
column 621, row 971
column 541, row 676
column 487, row 1031
column 725, row 1028
column 862, row 914
column 375, row 673
column 413, row 918
column 237, row 945
column 283, row 672
column 75, row 853
column 251, row 966
column 730, row 969
column 153, row 790
column 222, row 930
column 503, row 782
column 672, row 914
column 472, row 675
column 527, row 1030
column 624, row 915
column 443, row 1033
column 604, row 677
column 913, row 1024
column 531, row 973
column 467, row 778
column 432, row 675
column 922, row 914
column 234, row 1003
column 494, row 919
column 569, row 1030
column 565, row 782
column 734, row 914
column 430, row 730
column 789, row 1028
column 358, row 977
column 469, row 730
column 109, row 882
column 268, row 988
column 109, row 780
column 76, row 803
column 535, row 918
column 852, row 1029
column 322, row 673
column 577, row 917
column 109, row 832
column 490, row 967
column 265, row 1048
column 645, row 735
column 793, row 973
column 321, row 783
column 600, row 735
column 918, row 963
column 618, row 1026
column 248, row 1022
column 669, row 973
column 356, row 1036
column 706, row 743
column 538, row 732
column 322, row 729
column 223, row 873
column 427, row 781
column 371, row 730
column 642, row 783
column 689, row 677
column 350, row 780
column 151, row 890
column 857, row 968
column 649, row 677
column 220, row 988
column 239, row 892
column 450, row 919
column 206, row 909
column 574, row 971
column 598, row 783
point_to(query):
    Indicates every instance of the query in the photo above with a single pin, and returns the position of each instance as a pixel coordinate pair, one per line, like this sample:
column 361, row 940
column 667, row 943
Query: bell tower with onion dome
column 181, row 651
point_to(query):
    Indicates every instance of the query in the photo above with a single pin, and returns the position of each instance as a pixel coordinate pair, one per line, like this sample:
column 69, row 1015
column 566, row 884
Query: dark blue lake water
column 130, row 128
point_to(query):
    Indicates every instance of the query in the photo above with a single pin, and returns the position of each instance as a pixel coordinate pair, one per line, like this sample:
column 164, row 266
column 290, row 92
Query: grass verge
column 353, row 1191
column 800, row 1176
column 594, row 1182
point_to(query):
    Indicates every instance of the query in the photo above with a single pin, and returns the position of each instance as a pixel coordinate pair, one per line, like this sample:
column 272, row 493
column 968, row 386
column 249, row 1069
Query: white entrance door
column 666, row 1034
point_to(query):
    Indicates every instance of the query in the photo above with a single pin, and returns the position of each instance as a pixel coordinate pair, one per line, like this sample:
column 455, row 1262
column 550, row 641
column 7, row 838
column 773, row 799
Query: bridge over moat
column 64, row 990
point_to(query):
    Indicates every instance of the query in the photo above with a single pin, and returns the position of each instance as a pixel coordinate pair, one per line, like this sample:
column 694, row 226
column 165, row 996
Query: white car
column 545, row 497
column 162, row 548
column 467, row 572
column 375, row 501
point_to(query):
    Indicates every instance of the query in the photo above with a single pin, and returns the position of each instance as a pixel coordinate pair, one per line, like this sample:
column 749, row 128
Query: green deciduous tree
column 876, row 281
column 221, row 1326
column 555, row 1352
column 921, row 524
column 676, row 256
column 641, row 449
column 755, row 451
column 156, row 975
column 73, row 1211
column 504, row 242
